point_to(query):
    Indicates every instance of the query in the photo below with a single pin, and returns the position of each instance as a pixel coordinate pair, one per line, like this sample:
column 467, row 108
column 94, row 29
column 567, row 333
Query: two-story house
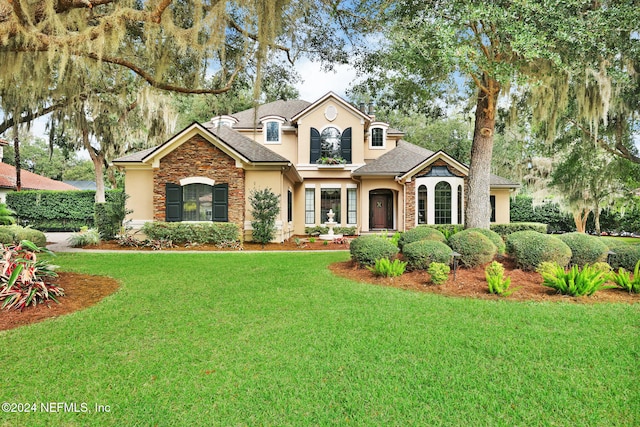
column 317, row 156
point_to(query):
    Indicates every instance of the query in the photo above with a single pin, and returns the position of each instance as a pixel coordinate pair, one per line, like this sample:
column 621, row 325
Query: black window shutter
column 345, row 145
column 221, row 203
column 315, row 145
column 173, row 203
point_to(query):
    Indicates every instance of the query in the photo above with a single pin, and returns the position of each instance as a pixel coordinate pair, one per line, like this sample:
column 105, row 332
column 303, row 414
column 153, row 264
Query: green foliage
column 7, row 216
column 25, row 233
column 626, row 256
column 498, row 284
column 546, row 267
column 523, row 211
column 385, row 268
column 576, row 282
column 84, row 238
column 7, row 237
column 265, row 206
column 422, row 232
column 110, row 216
column 506, row 229
column 623, row 280
column 530, row 249
column 447, row 230
column 494, row 237
column 24, row 280
column 366, row 250
column 395, row 239
column 475, row 248
column 320, row 229
column 585, row 249
column 439, row 272
column 180, row 232
column 56, row 210
column 422, row 253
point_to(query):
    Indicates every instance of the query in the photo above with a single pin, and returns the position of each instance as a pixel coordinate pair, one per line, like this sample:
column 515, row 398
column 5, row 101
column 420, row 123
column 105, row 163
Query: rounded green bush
column 494, row 237
column 530, row 249
column 7, row 237
column 366, row 250
column 585, row 249
column 420, row 233
column 626, row 256
column 35, row 236
column 419, row 255
column 475, row 248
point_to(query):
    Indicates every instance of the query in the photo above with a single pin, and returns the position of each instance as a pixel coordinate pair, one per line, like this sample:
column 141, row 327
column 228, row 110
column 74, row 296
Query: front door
column 381, row 205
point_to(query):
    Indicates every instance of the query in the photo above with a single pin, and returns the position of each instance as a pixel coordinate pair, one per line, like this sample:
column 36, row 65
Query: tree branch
column 254, row 37
column 618, row 150
column 32, row 115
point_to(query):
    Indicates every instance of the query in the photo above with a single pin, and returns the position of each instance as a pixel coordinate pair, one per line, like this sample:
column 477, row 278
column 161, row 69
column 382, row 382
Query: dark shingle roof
column 407, row 156
column 246, row 147
column 401, row 159
column 250, row 119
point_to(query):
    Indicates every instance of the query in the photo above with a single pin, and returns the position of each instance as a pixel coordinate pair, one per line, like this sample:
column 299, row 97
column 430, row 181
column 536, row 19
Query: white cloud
column 316, row 83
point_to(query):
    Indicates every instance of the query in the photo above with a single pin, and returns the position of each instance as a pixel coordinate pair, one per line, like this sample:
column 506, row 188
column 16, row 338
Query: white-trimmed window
column 224, row 120
column 310, row 206
column 378, row 136
column 352, row 209
column 272, row 129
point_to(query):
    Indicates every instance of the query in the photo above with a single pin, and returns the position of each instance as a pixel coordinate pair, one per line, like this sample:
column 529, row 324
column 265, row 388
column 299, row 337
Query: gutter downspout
column 404, row 202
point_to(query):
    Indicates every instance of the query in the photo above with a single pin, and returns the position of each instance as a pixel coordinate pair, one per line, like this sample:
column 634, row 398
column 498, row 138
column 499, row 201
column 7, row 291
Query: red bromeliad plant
column 23, row 278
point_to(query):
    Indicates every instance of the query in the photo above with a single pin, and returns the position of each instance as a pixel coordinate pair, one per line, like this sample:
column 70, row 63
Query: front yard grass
column 276, row 339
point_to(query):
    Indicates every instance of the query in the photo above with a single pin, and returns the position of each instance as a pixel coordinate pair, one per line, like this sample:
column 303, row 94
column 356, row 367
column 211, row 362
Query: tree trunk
column 98, row 162
column 478, row 207
column 16, row 149
column 580, row 218
column 596, row 215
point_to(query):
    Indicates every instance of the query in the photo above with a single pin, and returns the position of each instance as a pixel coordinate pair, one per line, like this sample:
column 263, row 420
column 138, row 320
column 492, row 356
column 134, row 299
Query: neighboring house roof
column 250, row 119
column 82, row 185
column 246, row 147
column 406, row 157
column 29, row 180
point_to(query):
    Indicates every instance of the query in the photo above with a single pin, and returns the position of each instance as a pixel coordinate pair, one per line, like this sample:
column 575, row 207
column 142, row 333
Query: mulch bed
column 472, row 283
column 81, row 291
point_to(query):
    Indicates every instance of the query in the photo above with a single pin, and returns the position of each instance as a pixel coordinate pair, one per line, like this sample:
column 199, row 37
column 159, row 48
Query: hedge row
column 56, row 210
column 513, row 227
column 182, row 232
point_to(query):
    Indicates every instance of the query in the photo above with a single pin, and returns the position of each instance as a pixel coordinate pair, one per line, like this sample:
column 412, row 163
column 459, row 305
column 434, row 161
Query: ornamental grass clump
column 439, row 272
column 84, row 237
column 498, row 284
column 24, row 280
column 385, row 268
column 623, row 279
column 576, row 282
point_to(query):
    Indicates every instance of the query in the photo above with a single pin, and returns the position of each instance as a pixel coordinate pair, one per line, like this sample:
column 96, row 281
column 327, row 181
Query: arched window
column 330, row 143
column 460, row 205
column 442, row 203
column 422, row 204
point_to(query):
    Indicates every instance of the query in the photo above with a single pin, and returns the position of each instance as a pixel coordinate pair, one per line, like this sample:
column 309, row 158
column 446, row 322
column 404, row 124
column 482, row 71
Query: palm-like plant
column 6, row 215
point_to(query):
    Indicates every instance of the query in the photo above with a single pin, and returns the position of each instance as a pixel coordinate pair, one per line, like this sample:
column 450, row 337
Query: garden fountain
column 330, row 224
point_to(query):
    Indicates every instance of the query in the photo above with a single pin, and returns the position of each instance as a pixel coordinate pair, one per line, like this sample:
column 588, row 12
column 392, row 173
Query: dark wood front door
column 381, row 214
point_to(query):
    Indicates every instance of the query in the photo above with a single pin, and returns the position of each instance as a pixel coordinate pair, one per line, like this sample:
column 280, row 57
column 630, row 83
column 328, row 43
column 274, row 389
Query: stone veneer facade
column 410, row 202
column 198, row 157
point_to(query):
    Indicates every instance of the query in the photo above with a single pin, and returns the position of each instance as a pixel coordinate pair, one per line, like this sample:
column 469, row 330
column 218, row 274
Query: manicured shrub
column 623, row 279
column 498, row 284
column 513, row 227
column 7, row 237
column 475, row 248
column 25, row 233
column 421, row 254
column 494, row 237
column 447, row 230
column 25, row 279
column 626, row 256
column 265, row 206
column 181, row 232
column 421, row 232
column 439, row 272
column 366, row 250
column 585, row 249
column 530, row 249
column 385, row 268
column 576, row 282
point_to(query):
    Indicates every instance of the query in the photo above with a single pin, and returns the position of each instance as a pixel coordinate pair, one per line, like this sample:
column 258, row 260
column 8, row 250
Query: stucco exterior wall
column 279, row 185
column 138, row 184
column 503, row 199
column 197, row 157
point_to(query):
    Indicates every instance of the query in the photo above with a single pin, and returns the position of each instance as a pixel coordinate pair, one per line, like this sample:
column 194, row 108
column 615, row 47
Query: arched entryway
column 381, row 209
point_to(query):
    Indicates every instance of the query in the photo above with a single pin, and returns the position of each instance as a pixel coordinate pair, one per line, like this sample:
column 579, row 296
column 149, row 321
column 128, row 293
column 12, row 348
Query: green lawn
column 275, row 339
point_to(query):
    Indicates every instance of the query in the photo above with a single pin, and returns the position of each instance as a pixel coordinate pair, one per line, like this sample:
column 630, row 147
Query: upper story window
column 272, row 129
column 330, row 143
column 378, row 135
column 225, row 120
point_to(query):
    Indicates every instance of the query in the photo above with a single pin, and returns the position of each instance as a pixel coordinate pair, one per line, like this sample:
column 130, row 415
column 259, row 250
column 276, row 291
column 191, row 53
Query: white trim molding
column 197, row 180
